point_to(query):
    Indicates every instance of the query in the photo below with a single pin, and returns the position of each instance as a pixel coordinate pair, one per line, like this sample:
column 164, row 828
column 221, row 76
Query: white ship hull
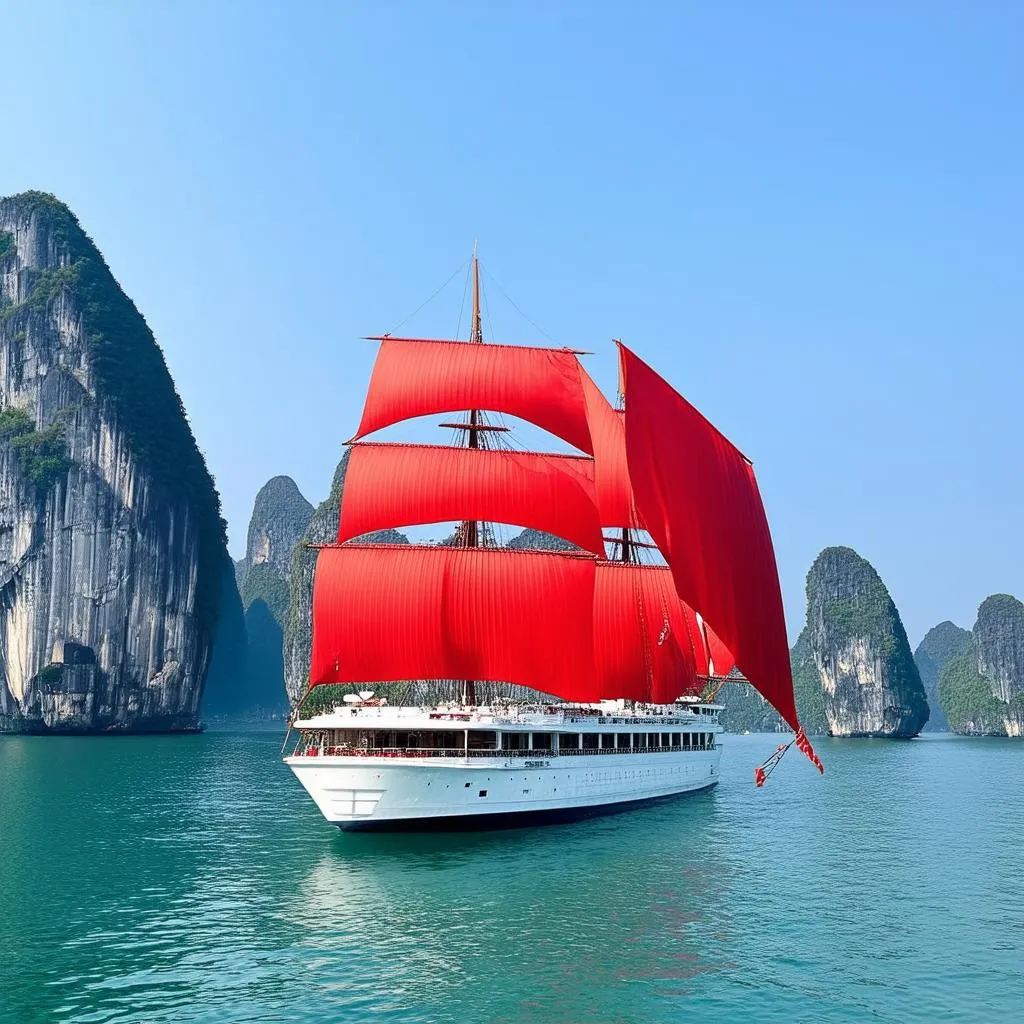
column 531, row 778
column 369, row 793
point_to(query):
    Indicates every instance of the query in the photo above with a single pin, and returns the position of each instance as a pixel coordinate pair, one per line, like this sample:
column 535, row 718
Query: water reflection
column 439, row 921
column 191, row 879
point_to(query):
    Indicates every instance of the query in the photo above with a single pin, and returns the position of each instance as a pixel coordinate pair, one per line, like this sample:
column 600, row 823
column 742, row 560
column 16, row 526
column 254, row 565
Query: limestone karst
column 112, row 548
column 870, row 685
column 940, row 643
column 279, row 518
column 981, row 688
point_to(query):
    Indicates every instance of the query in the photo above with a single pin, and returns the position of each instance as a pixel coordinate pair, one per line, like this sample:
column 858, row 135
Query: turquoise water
column 190, row 879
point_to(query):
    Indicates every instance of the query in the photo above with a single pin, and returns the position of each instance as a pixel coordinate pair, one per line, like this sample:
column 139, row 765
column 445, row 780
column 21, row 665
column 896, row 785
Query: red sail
column 391, row 485
column 698, row 497
column 643, row 644
column 721, row 656
column 418, row 378
column 385, row 613
column 611, row 475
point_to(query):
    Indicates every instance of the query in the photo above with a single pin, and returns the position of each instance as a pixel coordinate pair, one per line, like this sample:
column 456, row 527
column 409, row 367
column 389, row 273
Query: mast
column 470, row 535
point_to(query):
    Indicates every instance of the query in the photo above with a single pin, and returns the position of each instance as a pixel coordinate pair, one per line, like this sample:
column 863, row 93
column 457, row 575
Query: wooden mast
column 470, row 533
column 626, row 554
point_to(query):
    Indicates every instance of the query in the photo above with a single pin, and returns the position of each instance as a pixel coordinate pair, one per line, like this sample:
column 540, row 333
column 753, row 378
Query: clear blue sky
column 809, row 217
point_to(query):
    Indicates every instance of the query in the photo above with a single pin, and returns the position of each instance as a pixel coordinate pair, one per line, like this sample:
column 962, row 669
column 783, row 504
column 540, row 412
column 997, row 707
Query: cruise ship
column 370, row 766
column 578, row 677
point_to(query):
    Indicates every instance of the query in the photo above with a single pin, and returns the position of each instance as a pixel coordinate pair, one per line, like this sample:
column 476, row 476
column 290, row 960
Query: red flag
column 803, row 744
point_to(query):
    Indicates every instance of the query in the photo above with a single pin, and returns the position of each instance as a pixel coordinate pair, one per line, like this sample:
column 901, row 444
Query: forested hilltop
column 981, row 688
column 853, row 673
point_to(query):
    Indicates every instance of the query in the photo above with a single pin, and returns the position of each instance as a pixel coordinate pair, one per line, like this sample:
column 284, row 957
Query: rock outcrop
column 981, row 689
column 940, row 643
column 280, row 516
column 298, row 629
column 870, row 684
column 260, row 581
column 112, row 548
column 538, row 540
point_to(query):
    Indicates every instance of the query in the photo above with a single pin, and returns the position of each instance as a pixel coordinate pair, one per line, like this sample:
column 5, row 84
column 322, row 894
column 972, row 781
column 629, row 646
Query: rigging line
column 465, row 292
column 487, row 311
column 517, row 309
column 426, row 302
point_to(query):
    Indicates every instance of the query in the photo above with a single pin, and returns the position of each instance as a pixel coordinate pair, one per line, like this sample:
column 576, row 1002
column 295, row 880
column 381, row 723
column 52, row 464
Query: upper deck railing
column 512, row 717
column 326, row 750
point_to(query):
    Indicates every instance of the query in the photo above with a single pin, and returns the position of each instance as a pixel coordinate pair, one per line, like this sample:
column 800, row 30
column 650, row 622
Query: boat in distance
column 478, row 684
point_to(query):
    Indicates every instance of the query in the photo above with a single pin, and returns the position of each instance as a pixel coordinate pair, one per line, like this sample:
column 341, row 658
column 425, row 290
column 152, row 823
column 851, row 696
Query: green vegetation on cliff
column 747, row 711
column 42, row 454
column 858, row 607
column 981, row 688
column 263, row 583
column 966, row 698
column 810, row 698
column 132, row 376
column 868, row 683
column 940, row 643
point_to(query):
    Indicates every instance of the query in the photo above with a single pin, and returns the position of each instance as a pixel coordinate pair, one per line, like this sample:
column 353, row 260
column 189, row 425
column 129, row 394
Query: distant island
column 981, row 686
column 853, row 674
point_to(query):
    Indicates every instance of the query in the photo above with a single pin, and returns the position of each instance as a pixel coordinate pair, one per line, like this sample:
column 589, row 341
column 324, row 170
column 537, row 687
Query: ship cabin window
column 687, row 741
column 541, row 741
column 662, row 739
column 607, row 740
column 440, row 739
column 515, row 740
column 482, row 739
column 677, row 740
column 390, row 739
column 591, row 741
column 623, row 740
column 568, row 742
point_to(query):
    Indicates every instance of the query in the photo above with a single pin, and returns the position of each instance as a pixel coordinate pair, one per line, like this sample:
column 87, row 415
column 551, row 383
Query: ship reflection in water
column 426, row 921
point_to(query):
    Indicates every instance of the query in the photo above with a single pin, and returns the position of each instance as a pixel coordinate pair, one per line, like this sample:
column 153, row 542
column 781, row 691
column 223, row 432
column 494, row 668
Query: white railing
column 557, row 718
column 421, row 752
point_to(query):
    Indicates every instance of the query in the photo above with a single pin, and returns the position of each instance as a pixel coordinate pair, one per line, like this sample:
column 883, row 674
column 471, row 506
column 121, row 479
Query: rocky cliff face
column 228, row 690
column 279, row 520
column 112, row 548
column 280, row 516
column 981, row 689
column 298, row 630
column 940, row 643
column 870, row 684
column 999, row 634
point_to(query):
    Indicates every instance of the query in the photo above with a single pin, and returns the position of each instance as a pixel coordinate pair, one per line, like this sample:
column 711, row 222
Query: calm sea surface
column 190, row 879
